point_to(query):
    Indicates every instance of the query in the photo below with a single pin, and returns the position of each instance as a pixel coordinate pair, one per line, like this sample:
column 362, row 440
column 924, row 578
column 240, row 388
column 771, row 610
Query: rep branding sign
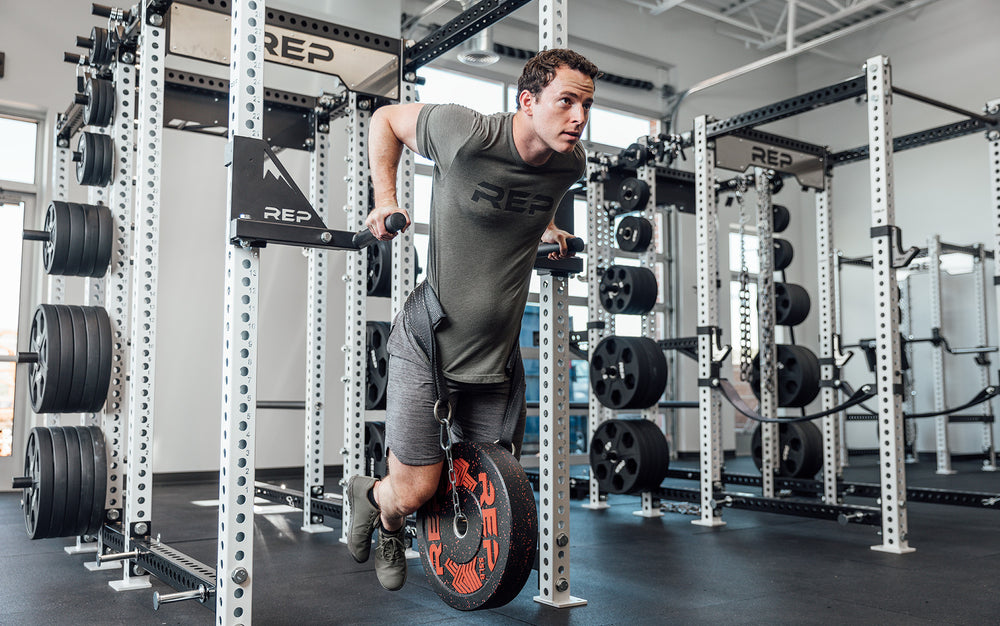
column 204, row 34
column 739, row 153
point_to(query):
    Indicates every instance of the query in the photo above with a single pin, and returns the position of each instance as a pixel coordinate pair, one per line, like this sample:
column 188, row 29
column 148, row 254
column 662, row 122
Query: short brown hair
column 541, row 69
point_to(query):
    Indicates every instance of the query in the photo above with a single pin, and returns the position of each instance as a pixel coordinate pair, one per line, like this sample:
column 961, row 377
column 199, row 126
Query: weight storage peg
column 634, row 233
column 628, row 290
column 629, row 456
column 77, row 239
column 628, row 372
column 94, row 159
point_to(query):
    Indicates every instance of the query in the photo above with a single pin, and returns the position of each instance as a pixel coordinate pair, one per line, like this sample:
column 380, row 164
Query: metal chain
column 765, row 310
column 445, row 440
column 746, row 356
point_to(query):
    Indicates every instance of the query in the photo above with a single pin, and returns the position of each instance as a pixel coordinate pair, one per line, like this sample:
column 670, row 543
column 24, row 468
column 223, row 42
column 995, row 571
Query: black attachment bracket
column 891, row 230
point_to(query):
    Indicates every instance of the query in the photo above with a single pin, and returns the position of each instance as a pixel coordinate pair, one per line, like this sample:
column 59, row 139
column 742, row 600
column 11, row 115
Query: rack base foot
column 133, row 583
column 316, row 528
column 573, row 601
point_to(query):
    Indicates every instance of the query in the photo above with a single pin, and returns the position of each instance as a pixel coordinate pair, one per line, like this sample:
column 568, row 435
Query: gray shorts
column 411, row 431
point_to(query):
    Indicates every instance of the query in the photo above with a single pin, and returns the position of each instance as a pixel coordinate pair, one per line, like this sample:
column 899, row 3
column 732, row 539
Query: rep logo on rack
column 292, row 48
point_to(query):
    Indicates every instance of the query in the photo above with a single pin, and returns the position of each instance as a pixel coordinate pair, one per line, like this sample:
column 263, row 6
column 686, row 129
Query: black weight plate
column 85, row 511
column 92, row 107
column 376, row 364
column 800, row 449
column 791, row 304
column 783, row 254
column 36, row 501
column 380, row 269
column 97, row 172
column 106, row 170
column 93, row 360
column 74, row 490
column 488, row 565
column 79, row 368
column 781, row 218
column 55, row 251
column 375, row 452
column 77, row 228
column 107, row 98
column 798, row 375
column 628, row 290
column 91, row 234
column 64, row 384
column 628, row 372
column 85, row 162
column 43, row 376
column 628, row 456
column 105, row 240
column 634, row 233
column 100, row 479
column 634, row 156
column 633, row 194
column 104, row 367
column 59, row 486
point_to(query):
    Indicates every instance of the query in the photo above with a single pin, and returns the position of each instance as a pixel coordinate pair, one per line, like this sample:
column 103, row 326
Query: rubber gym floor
column 760, row 568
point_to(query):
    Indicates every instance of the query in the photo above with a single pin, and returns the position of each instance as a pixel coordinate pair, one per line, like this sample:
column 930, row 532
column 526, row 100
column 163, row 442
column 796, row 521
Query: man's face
column 560, row 112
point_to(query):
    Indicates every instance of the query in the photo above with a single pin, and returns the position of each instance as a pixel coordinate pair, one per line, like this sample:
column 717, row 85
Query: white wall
column 943, row 51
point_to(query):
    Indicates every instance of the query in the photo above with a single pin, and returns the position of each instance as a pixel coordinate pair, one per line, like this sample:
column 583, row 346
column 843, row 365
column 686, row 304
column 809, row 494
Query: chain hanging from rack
column 746, row 356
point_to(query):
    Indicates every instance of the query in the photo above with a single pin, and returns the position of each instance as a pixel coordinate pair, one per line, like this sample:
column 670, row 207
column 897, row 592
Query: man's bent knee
column 412, row 485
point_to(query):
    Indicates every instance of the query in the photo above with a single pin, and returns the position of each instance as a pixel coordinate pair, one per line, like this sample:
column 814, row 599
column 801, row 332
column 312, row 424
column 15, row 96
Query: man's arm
column 391, row 128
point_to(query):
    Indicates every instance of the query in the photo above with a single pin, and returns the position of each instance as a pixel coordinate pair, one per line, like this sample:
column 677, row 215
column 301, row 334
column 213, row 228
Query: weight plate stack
column 628, row 372
column 633, row 194
column 783, row 254
column 73, row 370
column 95, row 159
column 380, row 269
column 628, row 290
column 65, row 481
column 629, row 456
column 634, row 233
column 376, row 365
column 376, row 454
column 800, row 449
column 791, row 304
column 634, row 156
column 100, row 102
column 102, row 52
column 485, row 563
column 798, row 375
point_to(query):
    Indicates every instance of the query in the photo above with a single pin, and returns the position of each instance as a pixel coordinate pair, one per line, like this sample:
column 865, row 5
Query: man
column 497, row 182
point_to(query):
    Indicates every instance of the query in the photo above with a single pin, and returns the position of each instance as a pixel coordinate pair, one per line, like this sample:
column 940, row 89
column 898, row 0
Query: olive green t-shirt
column 489, row 210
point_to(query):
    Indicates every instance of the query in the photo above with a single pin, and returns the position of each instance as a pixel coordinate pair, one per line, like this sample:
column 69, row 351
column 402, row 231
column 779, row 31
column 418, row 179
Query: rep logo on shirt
column 511, row 200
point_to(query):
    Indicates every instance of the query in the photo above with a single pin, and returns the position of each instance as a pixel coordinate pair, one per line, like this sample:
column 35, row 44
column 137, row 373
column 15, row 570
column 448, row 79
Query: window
column 11, row 225
column 17, row 150
column 616, row 129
